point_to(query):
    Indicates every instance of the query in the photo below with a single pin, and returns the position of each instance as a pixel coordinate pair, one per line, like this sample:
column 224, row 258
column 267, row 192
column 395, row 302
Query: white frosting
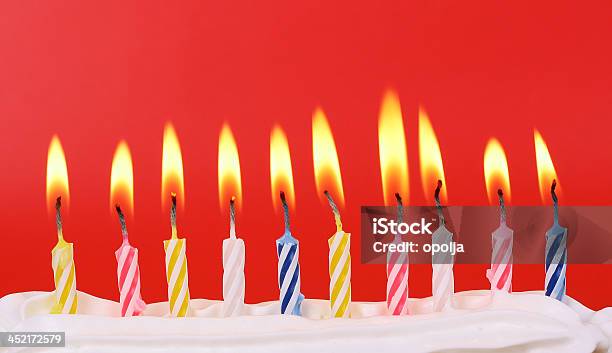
column 520, row 322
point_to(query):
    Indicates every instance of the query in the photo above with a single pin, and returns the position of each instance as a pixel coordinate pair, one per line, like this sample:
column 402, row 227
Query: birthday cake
column 477, row 321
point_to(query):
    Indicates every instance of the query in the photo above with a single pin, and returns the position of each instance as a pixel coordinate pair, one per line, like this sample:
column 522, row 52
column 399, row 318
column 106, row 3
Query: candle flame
column 122, row 179
column 546, row 168
column 496, row 171
column 230, row 184
column 392, row 149
column 281, row 173
column 57, row 175
column 172, row 167
column 325, row 159
column 432, row 168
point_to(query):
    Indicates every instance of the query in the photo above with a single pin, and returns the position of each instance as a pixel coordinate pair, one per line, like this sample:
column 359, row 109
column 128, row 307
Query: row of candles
column 393, row 159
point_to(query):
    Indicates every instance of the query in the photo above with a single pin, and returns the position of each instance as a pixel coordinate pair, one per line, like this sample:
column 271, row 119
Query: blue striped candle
column 556, row 253
column 288, row 250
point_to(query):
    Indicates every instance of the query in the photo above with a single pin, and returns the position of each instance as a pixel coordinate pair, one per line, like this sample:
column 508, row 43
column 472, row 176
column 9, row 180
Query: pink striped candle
column 397, row 273
column 128, row 274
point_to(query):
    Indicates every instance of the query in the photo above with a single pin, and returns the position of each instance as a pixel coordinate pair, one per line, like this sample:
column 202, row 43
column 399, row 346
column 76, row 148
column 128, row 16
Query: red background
column 97, row 73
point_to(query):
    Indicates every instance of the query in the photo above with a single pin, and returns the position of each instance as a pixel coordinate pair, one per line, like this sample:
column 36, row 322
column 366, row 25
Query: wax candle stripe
column 339, row 261
column 129, row 281
column 288, row 266
column 64, row 274
column 397, row 272
column 398, row 301
column 397, row 284
column 341, row 292
column 65, row 282
column 289, row 276
column 176, row 267
column 288, row 250
column 233, row 278
column 556, row 254
column 555, row 280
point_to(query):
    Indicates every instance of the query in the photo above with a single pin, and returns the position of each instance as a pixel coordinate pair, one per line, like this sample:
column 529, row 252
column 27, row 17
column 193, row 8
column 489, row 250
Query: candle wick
column 173, row 216
column 124, row 231
column 285, row 211
column 58, row 219
column 502, row 206
column 232, row 218
column 438, row 205
column 555, row 201
column 400, row 209
column 334, row 208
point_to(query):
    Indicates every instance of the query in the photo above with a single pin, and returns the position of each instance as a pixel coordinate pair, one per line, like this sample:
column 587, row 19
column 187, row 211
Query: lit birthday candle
column 339, row 266
column 497, row 178
column 394, row 173
column 65, row 295
column 287, row 246
column 175, row 247
column 230, row 186
column 328, row 177
column 128, row 271
column 556, row 236
column 432, row 170
column 443, row 282
column 500, row 273
column 556, row 253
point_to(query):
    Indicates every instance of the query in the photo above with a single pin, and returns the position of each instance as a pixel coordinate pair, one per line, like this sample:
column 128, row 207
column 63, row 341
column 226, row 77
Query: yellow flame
column 496, row 171
column 172, row 168
column 230, row 184
column 392, row 149
column 546, row 168
column 432, row 168
column 122, row 179
column 281, row 173
column 57, row 174
column 325, row 159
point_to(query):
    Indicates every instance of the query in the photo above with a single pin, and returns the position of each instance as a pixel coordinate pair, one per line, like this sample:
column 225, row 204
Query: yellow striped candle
column 339, row 266
column 176, row 269
column 63, row 271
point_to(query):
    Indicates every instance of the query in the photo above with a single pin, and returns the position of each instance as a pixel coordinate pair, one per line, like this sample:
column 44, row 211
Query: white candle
column 233, row 269
column 443, row 283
